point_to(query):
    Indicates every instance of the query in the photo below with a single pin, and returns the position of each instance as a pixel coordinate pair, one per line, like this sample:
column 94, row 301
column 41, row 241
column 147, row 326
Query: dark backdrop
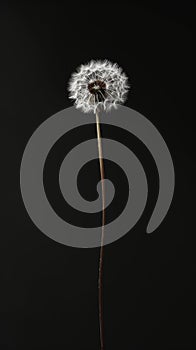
column 49, row 291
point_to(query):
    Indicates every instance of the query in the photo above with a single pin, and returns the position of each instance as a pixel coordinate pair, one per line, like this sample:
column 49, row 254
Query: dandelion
column 96, row 86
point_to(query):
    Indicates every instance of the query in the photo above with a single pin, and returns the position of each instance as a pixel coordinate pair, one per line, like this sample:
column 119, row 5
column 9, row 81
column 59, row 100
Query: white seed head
column 98, row 85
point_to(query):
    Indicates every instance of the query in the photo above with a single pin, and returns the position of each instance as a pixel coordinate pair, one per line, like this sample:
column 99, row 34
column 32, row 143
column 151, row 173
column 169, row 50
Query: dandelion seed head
column 98, row 85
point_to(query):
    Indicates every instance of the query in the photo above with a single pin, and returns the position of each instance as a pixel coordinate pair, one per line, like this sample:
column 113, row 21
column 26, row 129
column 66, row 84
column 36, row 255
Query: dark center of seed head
column 98, row 89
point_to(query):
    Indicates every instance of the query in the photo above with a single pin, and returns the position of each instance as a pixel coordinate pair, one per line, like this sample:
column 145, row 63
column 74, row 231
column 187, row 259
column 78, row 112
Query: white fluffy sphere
column 98, row 85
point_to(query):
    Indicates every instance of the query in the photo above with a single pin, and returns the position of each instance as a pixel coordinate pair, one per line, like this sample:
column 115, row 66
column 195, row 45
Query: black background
column 49, row 291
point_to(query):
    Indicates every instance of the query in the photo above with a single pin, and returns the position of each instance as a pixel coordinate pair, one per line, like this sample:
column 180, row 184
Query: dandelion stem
column 100, row 278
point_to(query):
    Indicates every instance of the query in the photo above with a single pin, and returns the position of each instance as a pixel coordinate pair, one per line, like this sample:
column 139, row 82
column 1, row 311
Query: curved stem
column 100, row 279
